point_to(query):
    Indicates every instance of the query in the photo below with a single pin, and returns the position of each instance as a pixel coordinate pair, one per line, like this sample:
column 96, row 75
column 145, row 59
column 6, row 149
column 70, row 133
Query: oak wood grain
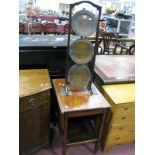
column 33, row 81
column 121, row 98
column 78, row 100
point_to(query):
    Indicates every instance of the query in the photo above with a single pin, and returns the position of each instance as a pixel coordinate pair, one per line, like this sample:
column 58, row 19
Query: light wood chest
column 122, row 125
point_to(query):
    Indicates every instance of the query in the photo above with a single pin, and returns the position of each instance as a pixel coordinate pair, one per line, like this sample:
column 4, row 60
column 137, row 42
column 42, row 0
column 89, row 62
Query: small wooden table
column 74, row 109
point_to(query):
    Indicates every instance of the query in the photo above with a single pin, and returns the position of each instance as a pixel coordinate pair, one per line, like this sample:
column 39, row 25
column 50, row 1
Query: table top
column 45, row 40
column 78, row 100
column 121, row 93
column 114, row 39
column 33, row 81
column 56, row 40
column 115, row 68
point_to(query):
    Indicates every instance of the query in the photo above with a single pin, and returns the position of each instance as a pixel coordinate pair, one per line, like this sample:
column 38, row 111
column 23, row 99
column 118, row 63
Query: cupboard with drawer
column 34, row 108
column 122, row 125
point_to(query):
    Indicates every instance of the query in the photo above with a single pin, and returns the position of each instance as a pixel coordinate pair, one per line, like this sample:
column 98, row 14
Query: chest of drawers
column 34, row 106
column 122, row 128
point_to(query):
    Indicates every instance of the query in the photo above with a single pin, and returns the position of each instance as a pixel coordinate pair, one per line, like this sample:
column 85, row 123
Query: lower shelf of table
column 82, row 130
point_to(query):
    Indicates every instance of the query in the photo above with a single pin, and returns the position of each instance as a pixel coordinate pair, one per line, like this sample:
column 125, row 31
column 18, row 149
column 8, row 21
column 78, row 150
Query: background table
column 49, row 51
column 26, row 41
column 114, row 69
column 44, row 51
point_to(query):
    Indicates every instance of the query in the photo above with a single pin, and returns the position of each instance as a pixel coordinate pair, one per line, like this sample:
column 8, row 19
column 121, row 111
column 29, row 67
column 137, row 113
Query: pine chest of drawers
column 122, row 127
column 34, row 106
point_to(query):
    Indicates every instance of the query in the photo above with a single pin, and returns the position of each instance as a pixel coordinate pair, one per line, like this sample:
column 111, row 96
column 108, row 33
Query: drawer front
column 122, row 108
column 122, row 128
column 119, row 139
column 123, row 118
column 35, row 100
column 110, row 145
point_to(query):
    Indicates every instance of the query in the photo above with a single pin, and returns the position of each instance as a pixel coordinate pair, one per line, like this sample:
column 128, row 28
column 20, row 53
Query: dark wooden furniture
column 48, row 51
column 125, row 47
column 34, row 108
column 115, row 45
column 99, row 42
column 75, row 113
column 66, row 28
column 109, row 45
column 114, row 69
column 132, row 49
column 44, row 51
column 80, row 45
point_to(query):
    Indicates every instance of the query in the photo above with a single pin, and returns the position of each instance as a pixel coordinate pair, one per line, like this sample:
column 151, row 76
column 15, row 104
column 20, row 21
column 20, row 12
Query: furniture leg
column 100, row 130
column 65, row 133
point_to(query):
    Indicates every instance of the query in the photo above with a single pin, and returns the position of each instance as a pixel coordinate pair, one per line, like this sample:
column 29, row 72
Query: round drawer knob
column 117, row 138
column 32, row 101
column 126, row 108
column 123, row 118
column 120, row 128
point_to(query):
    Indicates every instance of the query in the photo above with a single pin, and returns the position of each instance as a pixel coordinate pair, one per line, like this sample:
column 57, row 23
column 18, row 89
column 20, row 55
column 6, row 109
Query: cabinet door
column 34, row 127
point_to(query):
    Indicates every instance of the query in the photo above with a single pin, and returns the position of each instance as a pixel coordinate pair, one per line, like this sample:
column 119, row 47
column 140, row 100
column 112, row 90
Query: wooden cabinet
column 34, row 107
column 122, row 128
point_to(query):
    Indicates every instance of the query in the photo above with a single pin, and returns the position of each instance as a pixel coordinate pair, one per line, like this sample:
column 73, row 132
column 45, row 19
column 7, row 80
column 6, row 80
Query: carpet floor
column 86, row 149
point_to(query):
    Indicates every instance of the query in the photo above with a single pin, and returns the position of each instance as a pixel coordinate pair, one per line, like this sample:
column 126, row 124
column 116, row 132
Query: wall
column 54, row 4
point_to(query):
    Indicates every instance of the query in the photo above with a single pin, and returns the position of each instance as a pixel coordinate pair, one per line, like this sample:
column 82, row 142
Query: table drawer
column 29, row 102
column 123, row 118
column 130, row 107
column 121, row 128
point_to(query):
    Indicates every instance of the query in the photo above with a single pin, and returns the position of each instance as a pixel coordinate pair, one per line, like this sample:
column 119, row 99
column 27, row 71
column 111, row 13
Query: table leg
column 100, row 130
column 65, row 133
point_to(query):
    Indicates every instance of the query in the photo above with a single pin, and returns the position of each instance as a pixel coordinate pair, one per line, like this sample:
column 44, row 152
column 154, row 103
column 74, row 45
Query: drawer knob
column 117, row 138
column 120, row 128
column 32, row 101
column 123, row 118
column 126, row 108
column 132, row 130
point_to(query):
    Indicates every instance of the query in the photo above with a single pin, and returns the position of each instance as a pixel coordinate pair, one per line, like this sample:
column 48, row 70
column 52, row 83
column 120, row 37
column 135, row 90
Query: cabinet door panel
column 34, row 127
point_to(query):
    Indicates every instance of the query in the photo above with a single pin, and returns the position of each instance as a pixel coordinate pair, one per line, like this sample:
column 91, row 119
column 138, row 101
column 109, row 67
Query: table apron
column 84, row 113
